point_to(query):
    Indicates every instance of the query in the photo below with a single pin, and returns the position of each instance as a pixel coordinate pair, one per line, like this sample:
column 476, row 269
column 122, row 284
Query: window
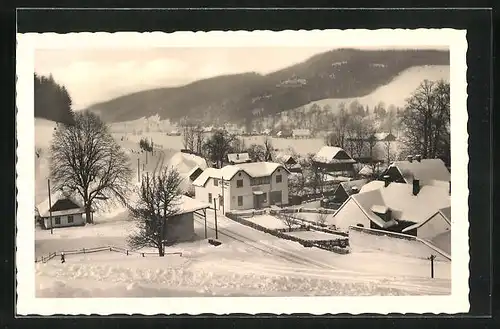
column 70, row 218
column 260, row 180
column 240, row 201
column 210, row 198
column 216, row 182
column 279, row 179
column 57, row 220
column 239, row 183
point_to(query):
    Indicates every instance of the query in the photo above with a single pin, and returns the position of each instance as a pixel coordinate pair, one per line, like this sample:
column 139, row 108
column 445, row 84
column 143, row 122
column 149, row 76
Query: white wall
column 77, row 220
column 349, row 215
column 247, row 191
column 201, row 193
column 435, row 226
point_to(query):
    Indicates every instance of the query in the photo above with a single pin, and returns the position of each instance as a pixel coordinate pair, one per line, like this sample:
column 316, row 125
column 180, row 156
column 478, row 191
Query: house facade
column 334, row 159
column 64, row 212
column 244, row 186
column 422, row 211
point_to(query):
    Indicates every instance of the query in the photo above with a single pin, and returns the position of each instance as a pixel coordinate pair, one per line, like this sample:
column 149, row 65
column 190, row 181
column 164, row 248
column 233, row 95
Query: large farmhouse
column 334, row 159
column 243, row 186
column 422, row 211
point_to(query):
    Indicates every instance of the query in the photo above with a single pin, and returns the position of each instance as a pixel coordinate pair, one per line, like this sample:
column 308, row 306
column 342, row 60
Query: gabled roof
column 238, row 157
column 332, row 154
column 398, row 197
column 188, row 205
column 348, row 186
column 253, row 169
column 425, row 170
column 61, row 205
column 373, row 185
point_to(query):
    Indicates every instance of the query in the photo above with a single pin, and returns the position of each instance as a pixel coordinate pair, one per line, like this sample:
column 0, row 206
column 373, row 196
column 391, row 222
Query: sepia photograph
column 244, row 167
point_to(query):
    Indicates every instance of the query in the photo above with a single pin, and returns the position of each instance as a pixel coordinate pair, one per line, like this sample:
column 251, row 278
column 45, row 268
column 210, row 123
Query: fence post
column 127, row 252
column 83, row 250
column 142, row 254
column 110, row 249
column 431, row 258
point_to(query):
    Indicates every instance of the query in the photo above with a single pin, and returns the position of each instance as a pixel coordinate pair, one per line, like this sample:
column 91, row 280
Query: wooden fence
column 128, row 252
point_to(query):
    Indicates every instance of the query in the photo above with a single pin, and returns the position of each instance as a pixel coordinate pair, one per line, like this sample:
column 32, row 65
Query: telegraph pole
column 215, row 212
column 50, row 209
column 431, row 258
column 138, row 170
column 222, row 186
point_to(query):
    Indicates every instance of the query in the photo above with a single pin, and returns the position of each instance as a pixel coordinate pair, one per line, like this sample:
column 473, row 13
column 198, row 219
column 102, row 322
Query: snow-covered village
column 322, row 173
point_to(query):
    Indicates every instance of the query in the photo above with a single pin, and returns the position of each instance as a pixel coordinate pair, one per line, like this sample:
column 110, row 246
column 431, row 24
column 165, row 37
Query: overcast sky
column 98, row 75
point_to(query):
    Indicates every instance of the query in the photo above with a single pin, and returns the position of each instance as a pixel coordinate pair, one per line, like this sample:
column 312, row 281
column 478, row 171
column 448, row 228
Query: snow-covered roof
column 383, row 136
column 43, row 207
column 332, row 154
column 253, row 169
column 184, row 163
column 238, row 157
column 301, row 132
column 373, row 185
column 283, row 157
column 348, row 186
column 187, row 205
column 425, row 170
column 398, row 197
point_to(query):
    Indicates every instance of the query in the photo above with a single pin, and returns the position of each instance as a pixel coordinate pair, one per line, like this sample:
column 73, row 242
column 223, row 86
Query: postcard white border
column 458, row 301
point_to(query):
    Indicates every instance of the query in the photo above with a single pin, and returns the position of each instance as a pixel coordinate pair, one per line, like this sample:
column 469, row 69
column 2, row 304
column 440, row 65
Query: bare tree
column 315, row 174
column 256, row 152
column 87, row 160
column 288, row 219
column 158, row 201
column 268, row 149
column 426, row 120
column 188, row 136
column 199, row 139
column 321, row 218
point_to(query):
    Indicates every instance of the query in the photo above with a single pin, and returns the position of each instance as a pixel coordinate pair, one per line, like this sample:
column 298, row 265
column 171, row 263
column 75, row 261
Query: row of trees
column 146, row 145
column 52, row 100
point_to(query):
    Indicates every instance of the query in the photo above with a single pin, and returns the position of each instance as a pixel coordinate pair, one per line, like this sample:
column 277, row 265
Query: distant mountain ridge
column 341, row 73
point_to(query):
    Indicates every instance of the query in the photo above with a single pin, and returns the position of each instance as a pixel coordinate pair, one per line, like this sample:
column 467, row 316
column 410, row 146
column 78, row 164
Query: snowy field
column 268, row 221
column 313, row 217
column 314, row 235
column 301, row 146
column 248, row 263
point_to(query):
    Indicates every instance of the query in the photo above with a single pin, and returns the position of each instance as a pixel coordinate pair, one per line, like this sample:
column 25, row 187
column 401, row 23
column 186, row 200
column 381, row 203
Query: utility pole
column 431, row 258
column 215, row 212
column 146, row 156
column 50, row 209
column 205, row 213
column 138, row 170
column 223, row 187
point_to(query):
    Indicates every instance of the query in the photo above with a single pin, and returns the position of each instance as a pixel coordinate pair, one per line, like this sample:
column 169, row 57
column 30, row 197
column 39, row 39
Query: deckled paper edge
column 456, row 302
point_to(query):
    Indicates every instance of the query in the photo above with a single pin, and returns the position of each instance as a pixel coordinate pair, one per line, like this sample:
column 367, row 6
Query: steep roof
column 238, row 157
column 398, row 197
column 348, row 186
column 425, row 170
column 61, row 205
column 373, row 185
column 332, row 154
column 185, row 162
column 253, row 169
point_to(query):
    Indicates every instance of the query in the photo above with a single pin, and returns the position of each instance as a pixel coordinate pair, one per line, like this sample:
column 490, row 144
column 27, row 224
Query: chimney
column 354, row 189
column 410, row 158
column 418, row 157
column 416, row 186
column 388, row 215
column 386, row 180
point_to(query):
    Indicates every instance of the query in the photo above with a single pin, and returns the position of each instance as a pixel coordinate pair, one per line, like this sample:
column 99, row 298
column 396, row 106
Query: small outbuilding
column 180, row 227
column 64, row 212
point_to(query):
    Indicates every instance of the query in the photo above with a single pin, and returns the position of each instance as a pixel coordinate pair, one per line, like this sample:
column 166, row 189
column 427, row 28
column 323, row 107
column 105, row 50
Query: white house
column 301, row 133
column 189, row 167
column 65, row 211
column 422, row 211
column 243, row 186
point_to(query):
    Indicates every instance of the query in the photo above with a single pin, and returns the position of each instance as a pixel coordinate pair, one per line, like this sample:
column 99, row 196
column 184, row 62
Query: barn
column 180, row 227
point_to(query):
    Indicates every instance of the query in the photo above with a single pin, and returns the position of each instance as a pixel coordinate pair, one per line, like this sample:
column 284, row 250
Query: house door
column 257, row 201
